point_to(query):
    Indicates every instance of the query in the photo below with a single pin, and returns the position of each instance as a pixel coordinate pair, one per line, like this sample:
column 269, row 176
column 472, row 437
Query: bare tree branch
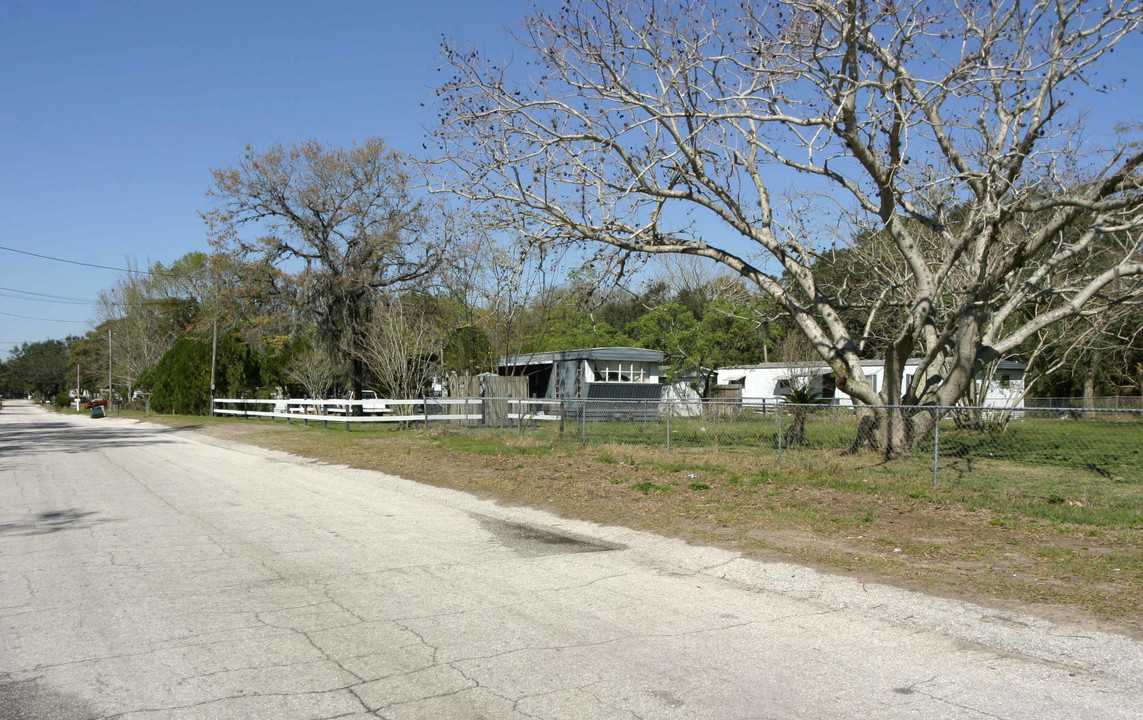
column 939, row 127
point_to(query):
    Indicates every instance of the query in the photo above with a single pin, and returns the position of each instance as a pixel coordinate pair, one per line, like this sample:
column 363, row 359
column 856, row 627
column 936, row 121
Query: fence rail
column 461, row 410
column 352, row 411
column 1105, row 444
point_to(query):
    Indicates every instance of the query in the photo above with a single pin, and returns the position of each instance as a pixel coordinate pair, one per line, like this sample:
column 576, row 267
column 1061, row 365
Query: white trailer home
column 770, row 382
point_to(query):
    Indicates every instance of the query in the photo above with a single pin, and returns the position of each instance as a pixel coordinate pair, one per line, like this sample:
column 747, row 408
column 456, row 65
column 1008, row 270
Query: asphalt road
column 152, row 573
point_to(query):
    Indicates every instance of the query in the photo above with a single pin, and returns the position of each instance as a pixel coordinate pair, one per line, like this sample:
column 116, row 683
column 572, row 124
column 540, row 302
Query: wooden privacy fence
column 494, row 391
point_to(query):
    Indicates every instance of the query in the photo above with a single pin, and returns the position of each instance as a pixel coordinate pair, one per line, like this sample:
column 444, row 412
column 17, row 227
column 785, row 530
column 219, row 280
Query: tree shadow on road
column 53, row 521
column 35, row 700
column 46, row 437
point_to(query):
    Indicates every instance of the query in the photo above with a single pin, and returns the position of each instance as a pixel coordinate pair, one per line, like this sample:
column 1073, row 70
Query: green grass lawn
column 1105, row 448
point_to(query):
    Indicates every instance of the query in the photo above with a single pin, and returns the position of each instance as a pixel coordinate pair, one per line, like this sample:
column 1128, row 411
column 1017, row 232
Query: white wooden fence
column 462, row 410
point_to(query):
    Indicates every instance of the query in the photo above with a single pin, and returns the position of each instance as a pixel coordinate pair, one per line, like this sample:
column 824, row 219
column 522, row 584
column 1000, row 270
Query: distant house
column 683, row 389
column 772, row 381
column 619, row 374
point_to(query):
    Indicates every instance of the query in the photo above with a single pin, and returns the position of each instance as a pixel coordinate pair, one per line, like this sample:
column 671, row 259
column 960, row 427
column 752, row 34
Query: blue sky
column 113, row 112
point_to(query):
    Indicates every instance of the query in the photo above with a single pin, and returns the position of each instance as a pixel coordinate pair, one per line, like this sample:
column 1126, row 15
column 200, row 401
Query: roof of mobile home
column 868, row 363
column 603, row 353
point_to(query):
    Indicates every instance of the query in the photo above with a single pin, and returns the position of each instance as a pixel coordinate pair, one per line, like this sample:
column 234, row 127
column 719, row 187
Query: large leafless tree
column 654, row 127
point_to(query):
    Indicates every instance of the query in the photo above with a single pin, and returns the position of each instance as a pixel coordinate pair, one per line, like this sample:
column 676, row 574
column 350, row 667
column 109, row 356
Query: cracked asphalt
column 151, row 573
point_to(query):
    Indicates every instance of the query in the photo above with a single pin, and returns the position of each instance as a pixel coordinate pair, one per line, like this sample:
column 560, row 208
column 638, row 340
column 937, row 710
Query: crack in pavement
column 152, row 650
column 609, row 641
column 959, row 706
column 214, row 701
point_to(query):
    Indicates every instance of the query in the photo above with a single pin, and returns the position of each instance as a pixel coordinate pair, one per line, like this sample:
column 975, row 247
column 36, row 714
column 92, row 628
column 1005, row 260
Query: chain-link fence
column 1110, row 402
column 1107, row 444
column 929, row 442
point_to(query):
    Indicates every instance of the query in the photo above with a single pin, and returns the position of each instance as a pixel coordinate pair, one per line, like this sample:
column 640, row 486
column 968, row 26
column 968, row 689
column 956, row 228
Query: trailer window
column 617, row 371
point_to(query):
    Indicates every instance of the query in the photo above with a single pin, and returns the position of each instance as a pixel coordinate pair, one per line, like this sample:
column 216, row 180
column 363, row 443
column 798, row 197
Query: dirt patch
column 945, row 545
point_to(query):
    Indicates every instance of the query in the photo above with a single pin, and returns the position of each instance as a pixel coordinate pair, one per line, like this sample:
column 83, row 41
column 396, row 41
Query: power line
column 40, row 297
column 91, row 265
column 44, row 295
column 25, row 317
column 105, row 303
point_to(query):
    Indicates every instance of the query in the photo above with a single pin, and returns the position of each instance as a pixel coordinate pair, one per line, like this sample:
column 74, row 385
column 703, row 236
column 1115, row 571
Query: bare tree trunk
column 1089, row 391
column 358, row 370
column 893, row 430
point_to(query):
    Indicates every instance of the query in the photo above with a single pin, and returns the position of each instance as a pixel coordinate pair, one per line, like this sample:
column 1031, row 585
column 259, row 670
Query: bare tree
column 401, row 347
column 331, row 227
column 510, row 288
column 699, row 275
column 944, row 126
column 314, row 370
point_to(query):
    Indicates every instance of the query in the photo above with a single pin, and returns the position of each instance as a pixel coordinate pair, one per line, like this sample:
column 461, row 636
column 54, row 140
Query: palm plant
column 802, row 399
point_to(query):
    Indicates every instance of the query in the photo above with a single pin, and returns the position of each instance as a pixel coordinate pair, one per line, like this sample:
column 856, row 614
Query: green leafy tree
column 180, row 382
column 146, row 311
column 673, row 329
column 87, row 358
column 724, row 334
column 274, row 357
column 565, row 327
column 468, row 351
column 328, row 228
column 38, row 368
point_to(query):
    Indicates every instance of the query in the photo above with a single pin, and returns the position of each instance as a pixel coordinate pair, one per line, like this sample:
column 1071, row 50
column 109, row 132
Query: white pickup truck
column 369, row 402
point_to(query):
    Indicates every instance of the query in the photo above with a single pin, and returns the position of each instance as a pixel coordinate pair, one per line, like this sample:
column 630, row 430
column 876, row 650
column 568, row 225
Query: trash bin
column 98, row 412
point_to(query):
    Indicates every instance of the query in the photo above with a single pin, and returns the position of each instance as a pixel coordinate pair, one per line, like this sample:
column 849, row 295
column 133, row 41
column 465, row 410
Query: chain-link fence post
column 669, row 413
column 779, row 437
column 714, row 421
column 936, row 444
column 583, row 421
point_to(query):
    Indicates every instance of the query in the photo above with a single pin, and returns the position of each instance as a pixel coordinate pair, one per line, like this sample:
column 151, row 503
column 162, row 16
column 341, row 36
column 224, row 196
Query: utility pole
column 213, row 354
column 109, row 365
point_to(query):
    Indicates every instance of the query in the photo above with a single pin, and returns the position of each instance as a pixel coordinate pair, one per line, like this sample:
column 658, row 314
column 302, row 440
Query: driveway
column 154, row 573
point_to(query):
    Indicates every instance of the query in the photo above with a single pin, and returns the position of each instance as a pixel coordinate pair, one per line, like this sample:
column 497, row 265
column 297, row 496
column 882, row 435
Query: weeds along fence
column 1105, row 444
